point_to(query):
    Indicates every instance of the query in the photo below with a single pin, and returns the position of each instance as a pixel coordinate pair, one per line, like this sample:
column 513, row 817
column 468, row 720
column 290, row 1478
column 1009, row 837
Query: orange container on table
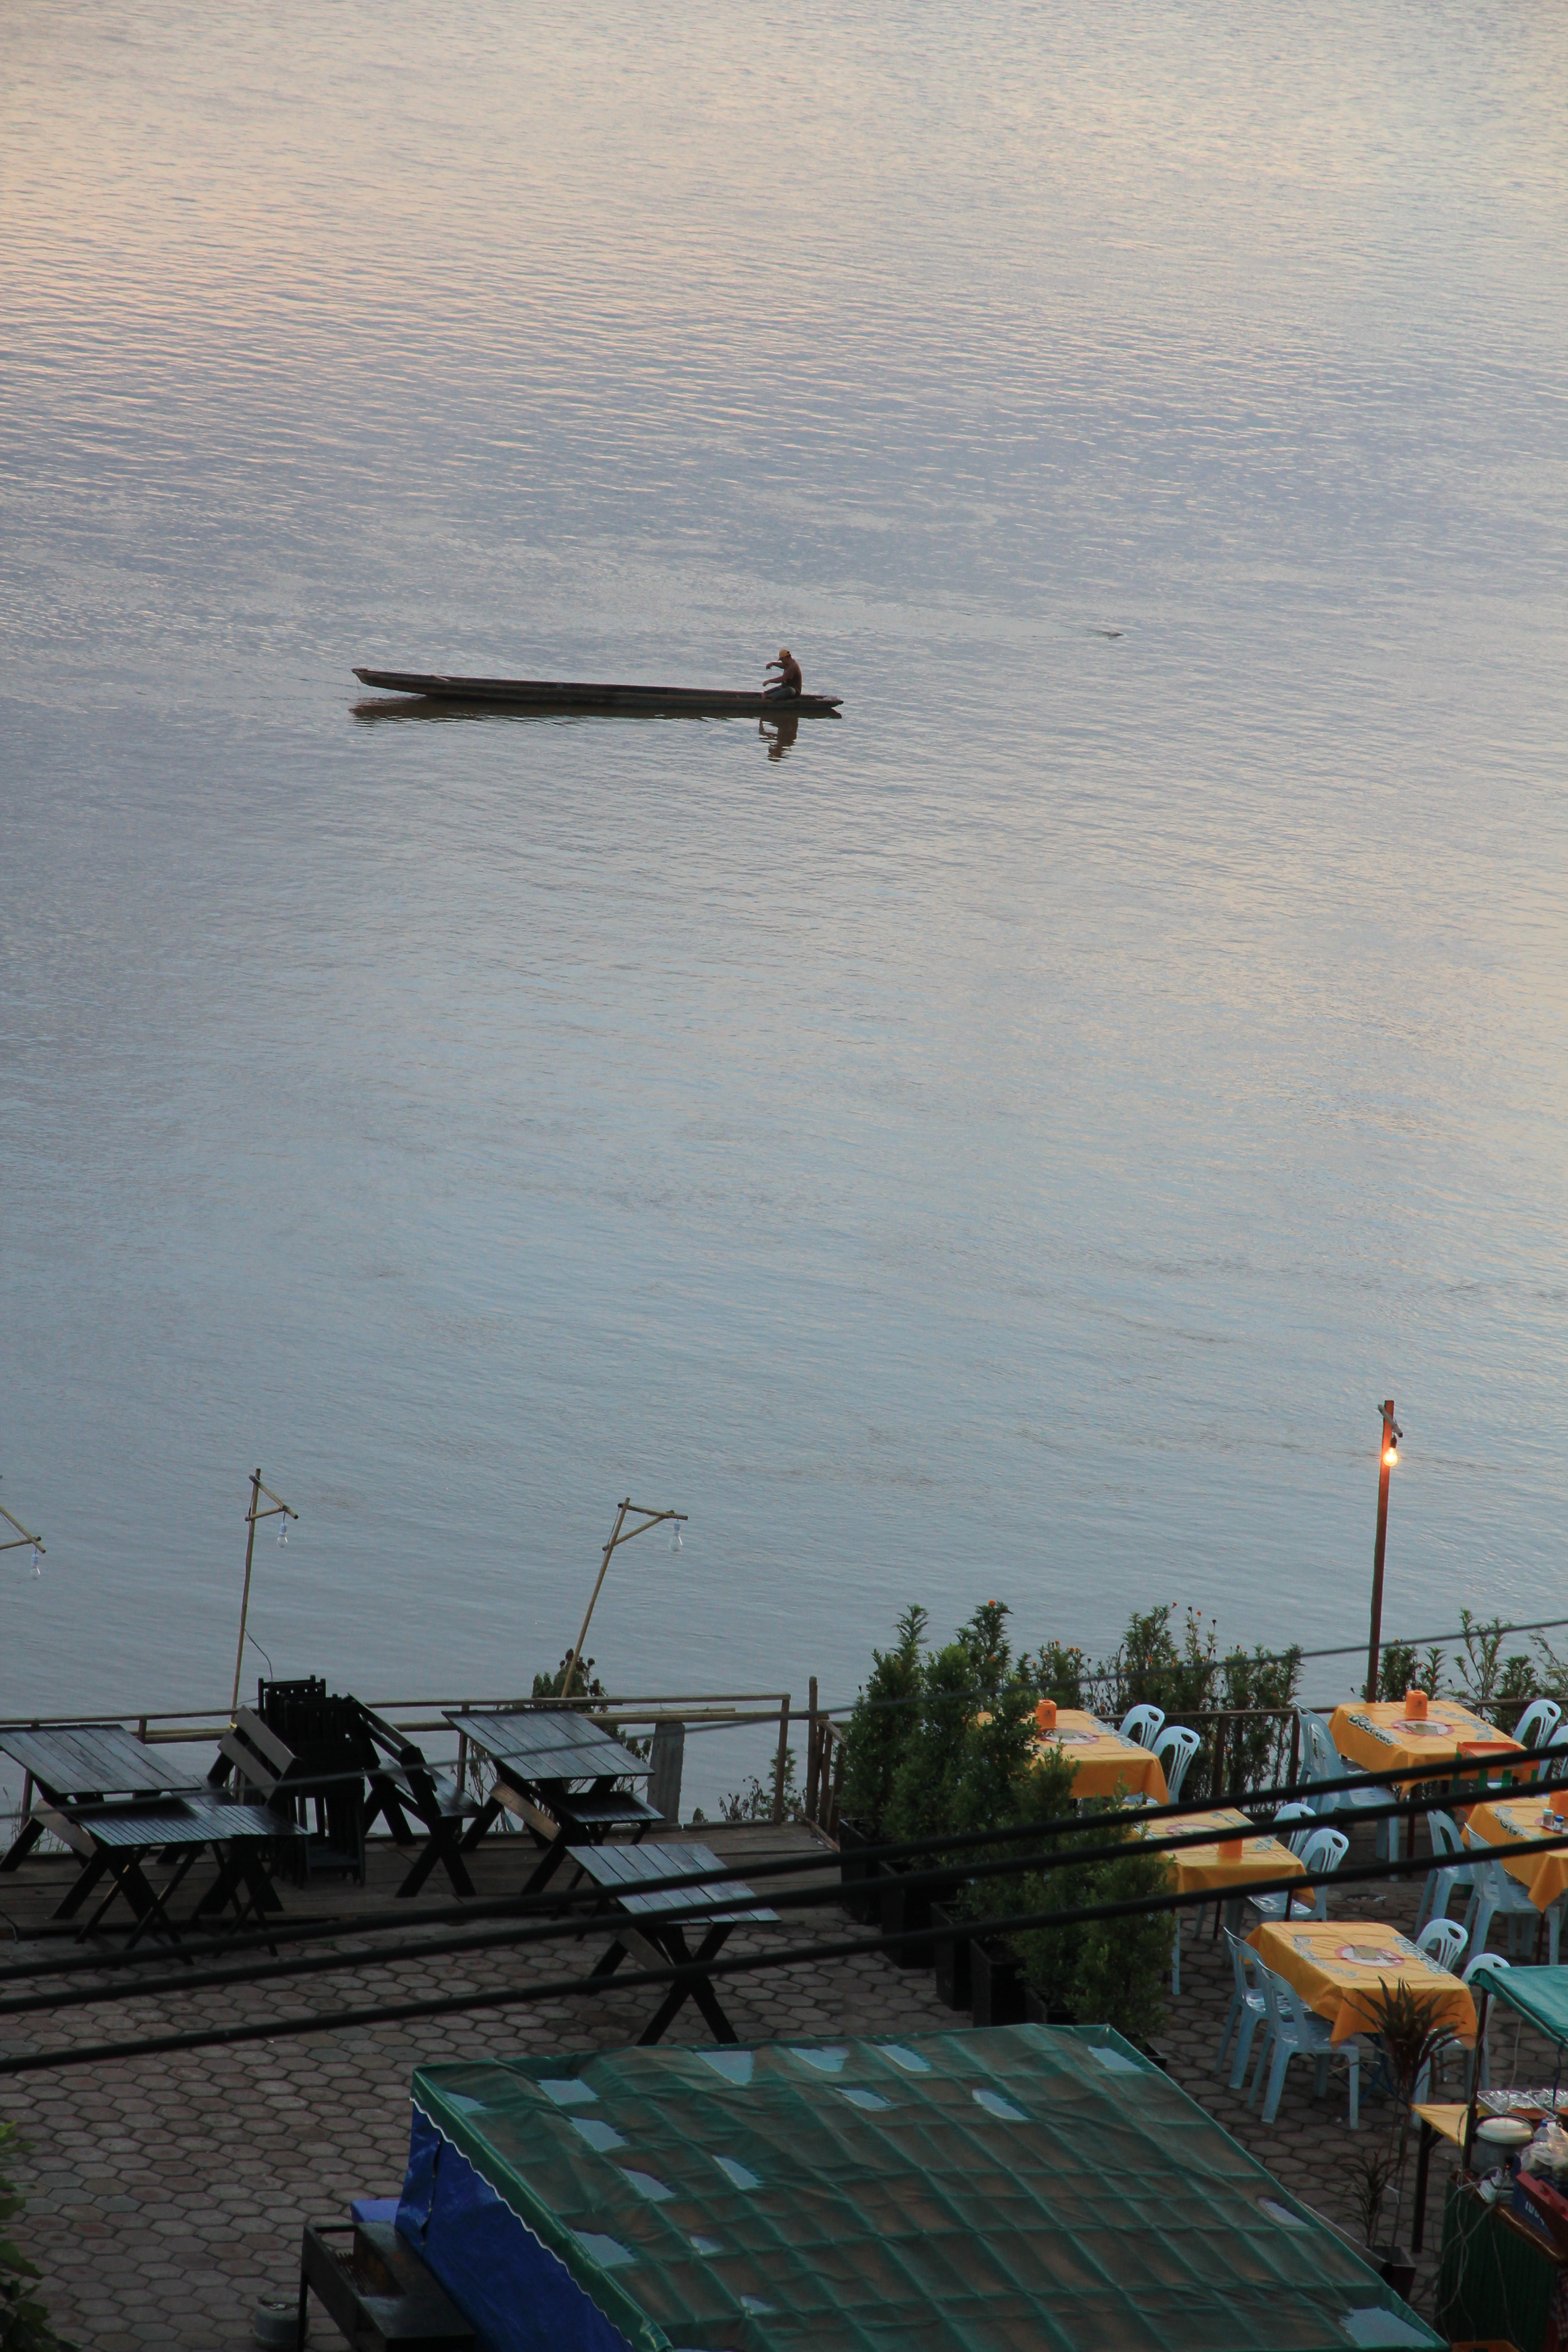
column 1045, row 1716
column 1232, row 1849
column 1415, row 1707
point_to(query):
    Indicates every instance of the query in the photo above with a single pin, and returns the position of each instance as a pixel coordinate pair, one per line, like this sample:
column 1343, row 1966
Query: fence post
column 813, row 1760
column 1218, row 1791
column 781, row 1765
column 831, row 1824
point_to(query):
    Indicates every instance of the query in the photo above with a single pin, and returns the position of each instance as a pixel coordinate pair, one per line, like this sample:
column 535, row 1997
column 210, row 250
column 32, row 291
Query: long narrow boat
column 554, row 694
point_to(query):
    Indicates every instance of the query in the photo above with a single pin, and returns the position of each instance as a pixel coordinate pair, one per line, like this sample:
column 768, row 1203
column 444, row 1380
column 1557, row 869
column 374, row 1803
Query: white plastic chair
column 1485, row 1964
column 1248, row 2009
column 1325, row 1848
column 1537, row 1724
column 1445, row 1882
column 1295, row 1812
column 1322, row 1760
column 1295, row 2033
column 1554, row 1772
column 1142, row 1724
column 1175, row 1748
column 1443, row 1940
column 1494, row 1892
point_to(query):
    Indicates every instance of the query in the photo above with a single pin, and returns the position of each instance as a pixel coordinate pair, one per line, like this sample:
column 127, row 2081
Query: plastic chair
column 1295, row 2033
column 1175, row 1748
column 1494, row 1892
column 1443, row 1883
column 1537, row 1724
column 1443, row 1940
column 1322, row 1760
column 1247, row 2010
column 1295, row 1813
column 1555, row 1769
column 1142, row 1724
column 1324, row 1850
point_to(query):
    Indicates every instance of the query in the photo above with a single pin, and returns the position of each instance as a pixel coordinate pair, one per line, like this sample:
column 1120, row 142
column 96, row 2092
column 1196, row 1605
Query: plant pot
column 904, row 1907
column 1397, row 2268
column 996, row 1985
column 949, row 1948
column 855, row 1874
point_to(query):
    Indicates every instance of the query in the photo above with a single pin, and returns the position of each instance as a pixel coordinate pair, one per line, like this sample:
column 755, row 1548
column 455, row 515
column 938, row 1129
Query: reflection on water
column 778, row 735
column 1018, row 1157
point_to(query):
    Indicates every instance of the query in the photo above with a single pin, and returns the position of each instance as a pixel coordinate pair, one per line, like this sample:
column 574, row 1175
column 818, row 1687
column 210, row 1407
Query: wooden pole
column 576, row 1652
column 245, row 1604
column 813, row 1760
column 1384, row 1465
column 783, row 1759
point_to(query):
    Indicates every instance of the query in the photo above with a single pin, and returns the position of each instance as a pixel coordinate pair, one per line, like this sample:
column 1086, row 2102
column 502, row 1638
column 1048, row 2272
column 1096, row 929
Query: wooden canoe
column 554, row 694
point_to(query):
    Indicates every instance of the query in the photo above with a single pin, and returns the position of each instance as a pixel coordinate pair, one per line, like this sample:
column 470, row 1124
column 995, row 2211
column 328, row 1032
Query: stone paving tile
column 166, row 2195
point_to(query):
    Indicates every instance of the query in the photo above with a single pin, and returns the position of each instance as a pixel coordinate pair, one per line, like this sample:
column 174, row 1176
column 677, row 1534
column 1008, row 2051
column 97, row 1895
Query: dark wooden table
column 113, row 1841
column 652, row 1924
column 556, row 1771
column 87, row 1763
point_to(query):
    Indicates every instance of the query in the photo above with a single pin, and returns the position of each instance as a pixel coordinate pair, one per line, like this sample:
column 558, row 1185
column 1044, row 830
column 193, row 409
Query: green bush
column 884, row 1718
column 23, row 2321
column 1099, row 1971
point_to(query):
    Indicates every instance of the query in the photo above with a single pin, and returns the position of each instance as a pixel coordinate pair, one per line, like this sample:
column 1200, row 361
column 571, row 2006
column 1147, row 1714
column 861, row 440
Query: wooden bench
column 378, row 2290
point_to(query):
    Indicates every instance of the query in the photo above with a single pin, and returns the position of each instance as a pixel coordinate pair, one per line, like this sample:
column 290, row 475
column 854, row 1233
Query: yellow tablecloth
column 1545, row 1874
column 1335, row 1964
column 1204, row 1870
column 1102, row 1761
column 1382, row 1736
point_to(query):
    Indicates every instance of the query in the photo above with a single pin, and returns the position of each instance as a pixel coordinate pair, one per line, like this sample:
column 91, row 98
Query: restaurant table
column 1337, row 1964
column 113, row 1842
column 541, row 1757
column 85, row 1763
column 1104, row 1762
column 646, row 1929
column 1381, row 1737
column 1204, row 1870
column 1494, row 1824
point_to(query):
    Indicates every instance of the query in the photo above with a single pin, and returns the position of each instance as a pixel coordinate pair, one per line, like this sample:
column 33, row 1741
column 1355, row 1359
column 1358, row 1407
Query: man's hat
column 784, row 654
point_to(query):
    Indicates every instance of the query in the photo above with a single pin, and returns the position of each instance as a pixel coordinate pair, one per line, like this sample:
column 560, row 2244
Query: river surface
column 1005, row 1142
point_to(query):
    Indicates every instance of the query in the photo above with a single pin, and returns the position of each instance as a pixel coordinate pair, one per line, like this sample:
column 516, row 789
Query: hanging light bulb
column 36, row 1570
column 282, row 1526
column 675, row 1542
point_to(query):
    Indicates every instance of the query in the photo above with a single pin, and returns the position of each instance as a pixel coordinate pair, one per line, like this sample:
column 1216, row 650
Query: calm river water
column 1005, row 1145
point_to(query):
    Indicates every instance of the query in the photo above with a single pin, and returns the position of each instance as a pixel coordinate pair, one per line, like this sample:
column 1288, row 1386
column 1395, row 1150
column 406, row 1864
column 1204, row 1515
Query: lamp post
column 252, row 1515
column 1387, row 1455
column 22, row 1536
column 619, row 1534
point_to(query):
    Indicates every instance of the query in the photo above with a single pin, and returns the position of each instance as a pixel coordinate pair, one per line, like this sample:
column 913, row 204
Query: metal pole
column 245, row 1604
column 576, row 1652
column 1384, row 1467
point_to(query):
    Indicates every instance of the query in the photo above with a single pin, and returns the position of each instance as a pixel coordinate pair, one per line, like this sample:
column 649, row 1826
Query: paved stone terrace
column 166, row 2195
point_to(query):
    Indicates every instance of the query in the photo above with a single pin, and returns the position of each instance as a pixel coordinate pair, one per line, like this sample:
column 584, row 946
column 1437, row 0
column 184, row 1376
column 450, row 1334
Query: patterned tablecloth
column 1545, row 1874
column 1335, row 1965
column 1102, row 1761
column 1204, row 1870
column 1381, row 1737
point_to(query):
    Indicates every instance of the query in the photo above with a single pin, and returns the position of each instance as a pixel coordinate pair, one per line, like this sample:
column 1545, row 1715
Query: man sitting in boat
column 787, row 684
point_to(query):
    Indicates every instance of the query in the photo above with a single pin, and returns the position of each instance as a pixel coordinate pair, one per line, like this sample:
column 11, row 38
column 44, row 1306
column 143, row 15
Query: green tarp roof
column 1016, row 2187
column 1540, row 1994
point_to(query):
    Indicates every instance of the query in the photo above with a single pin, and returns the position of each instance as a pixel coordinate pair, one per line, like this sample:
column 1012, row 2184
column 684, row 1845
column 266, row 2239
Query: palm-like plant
column 1409, row 2026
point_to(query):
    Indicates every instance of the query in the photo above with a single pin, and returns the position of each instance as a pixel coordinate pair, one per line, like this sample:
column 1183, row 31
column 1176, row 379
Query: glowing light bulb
column 1391, row 1455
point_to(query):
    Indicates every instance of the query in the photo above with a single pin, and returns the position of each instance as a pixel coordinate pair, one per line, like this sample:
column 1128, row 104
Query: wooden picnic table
column 1104, row 1762
column 85, row 1763
column 113, row 1841
column 650, row 1922
column 1336, row 1964
column 556, row 1771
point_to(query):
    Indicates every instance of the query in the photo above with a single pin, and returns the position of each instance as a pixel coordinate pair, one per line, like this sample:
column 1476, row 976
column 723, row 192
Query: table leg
column 91, row 1872
column 477, row 1826
column 607, row 1963
column 672, row 1943
column 27, row 1838
column 1423, row 2167
column 440, row 1846
column 549, row 1863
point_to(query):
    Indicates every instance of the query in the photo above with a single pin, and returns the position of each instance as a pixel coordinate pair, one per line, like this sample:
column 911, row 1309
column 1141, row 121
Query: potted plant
column 1407, row 2024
